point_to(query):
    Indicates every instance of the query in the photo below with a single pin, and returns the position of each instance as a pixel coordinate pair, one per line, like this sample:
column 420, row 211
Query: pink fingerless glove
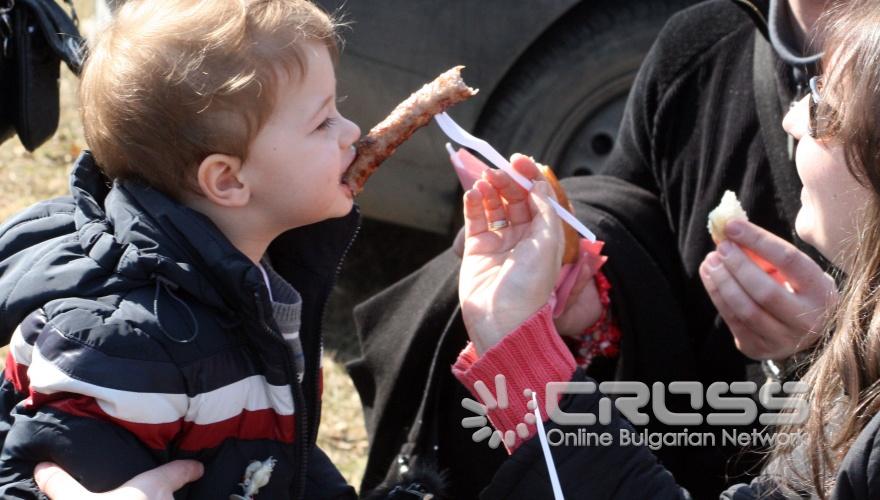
column 528, row 358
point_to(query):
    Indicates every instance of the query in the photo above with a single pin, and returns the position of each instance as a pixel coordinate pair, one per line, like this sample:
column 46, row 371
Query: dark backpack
column 35, row 36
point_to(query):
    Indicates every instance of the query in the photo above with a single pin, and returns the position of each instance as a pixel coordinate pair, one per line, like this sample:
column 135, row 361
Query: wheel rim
column 584, row 139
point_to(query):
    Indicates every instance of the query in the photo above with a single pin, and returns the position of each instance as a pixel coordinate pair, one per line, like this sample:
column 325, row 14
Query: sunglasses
column 818, row 124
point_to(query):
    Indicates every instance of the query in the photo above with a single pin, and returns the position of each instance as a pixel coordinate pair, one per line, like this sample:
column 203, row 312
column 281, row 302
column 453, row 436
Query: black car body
column 553, row 78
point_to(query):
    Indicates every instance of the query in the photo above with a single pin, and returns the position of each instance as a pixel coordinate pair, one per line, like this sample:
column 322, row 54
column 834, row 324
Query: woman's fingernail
column 734, row 229
column 725, row 248
column 714, row 261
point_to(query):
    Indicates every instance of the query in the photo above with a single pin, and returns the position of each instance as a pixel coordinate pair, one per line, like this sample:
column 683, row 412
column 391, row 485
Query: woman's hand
column 768, row 320
column 156, row 484
column 583, row 308
column 507, row 274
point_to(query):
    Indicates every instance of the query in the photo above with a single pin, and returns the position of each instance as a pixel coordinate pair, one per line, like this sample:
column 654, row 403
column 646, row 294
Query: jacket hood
column 120, row 236
column 141, row 234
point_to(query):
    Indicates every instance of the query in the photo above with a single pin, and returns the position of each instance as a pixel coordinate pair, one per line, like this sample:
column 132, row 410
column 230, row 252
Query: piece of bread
column 572, row 239
column 729, row 209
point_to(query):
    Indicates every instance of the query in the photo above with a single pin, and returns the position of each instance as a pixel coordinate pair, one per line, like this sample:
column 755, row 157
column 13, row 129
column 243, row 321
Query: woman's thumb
column 174, row 475
column 540, row 203
column 55, row 482
column 545, row 220
column 543, row 190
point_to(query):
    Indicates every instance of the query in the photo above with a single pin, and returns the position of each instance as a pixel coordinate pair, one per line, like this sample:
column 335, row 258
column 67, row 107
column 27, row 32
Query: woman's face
column 832, row 201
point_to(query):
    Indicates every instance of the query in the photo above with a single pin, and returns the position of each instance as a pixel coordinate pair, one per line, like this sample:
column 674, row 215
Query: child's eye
column 329, row 122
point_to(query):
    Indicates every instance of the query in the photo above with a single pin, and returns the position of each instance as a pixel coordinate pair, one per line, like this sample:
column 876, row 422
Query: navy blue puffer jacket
column 140, row 335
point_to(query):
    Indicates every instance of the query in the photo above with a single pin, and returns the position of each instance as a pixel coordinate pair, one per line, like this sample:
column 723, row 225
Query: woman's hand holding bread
column 772, row 296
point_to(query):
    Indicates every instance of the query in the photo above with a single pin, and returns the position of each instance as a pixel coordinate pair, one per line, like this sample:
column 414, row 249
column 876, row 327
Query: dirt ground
column 382, row 254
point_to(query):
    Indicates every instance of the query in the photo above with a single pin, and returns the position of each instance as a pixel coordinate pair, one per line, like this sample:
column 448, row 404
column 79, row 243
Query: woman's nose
column 797, row 120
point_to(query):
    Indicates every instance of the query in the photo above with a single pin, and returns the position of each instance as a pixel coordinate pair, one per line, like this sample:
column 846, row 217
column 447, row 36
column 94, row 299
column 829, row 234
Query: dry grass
column 342, row 435
column 29, row 177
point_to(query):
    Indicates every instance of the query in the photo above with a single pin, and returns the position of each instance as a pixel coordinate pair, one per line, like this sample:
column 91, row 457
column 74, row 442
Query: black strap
column 770, row 109
column 757, row 13
column 772, row 102
column 412, row 491
column 421, row 444
column 6, row 28
column 59, row 29
column 73, row 15
column 778, row 11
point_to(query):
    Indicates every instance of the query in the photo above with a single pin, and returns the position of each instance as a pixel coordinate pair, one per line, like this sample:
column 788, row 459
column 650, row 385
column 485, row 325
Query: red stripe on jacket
column 154, row 436
column 247, row 425
column 17, row 374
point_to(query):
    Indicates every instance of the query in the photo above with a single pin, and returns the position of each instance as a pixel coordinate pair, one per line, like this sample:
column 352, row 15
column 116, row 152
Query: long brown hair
column 844, row 376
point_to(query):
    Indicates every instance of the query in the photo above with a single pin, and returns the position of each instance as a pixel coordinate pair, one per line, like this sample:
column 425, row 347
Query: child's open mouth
column 344, row 180
column 345, row 186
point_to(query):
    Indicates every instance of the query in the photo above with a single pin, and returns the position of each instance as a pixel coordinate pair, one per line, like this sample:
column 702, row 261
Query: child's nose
column 351, row 133
column 797, row 120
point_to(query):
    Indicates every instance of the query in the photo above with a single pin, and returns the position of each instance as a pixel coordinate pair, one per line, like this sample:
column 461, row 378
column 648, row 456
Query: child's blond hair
column 169, row 82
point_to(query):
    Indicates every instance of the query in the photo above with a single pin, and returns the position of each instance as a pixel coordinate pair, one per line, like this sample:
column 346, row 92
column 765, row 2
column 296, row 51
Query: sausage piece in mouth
column 410, row 115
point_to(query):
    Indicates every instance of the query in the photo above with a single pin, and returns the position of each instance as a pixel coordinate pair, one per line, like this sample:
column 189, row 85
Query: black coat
column 633, row 472
column 703, row 116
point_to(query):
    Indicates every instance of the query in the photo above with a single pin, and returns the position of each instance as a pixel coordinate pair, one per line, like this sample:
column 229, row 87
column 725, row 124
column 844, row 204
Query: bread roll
column 572, row 239
column 729, row 209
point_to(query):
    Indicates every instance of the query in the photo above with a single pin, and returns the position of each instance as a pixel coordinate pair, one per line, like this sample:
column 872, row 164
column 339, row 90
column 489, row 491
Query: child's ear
column 220, row 181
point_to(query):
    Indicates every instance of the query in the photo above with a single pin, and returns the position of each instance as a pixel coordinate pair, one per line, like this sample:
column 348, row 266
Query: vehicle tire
column 563, row 100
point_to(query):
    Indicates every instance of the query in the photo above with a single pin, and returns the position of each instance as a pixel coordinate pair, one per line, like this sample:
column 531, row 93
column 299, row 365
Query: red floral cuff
column 602, row 338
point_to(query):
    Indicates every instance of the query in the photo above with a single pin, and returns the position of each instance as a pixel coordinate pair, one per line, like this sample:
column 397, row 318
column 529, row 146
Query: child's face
column 831, row 199
column 295, row 163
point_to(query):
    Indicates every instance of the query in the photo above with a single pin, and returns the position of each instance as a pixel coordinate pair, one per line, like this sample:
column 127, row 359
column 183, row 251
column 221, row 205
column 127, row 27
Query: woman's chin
column 805, row 226
column 809, row 230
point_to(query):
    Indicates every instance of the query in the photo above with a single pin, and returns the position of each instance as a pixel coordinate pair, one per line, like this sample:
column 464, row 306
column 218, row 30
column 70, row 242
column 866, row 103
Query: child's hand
column 507, row 274
column 768, row 319
column 157, row 484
